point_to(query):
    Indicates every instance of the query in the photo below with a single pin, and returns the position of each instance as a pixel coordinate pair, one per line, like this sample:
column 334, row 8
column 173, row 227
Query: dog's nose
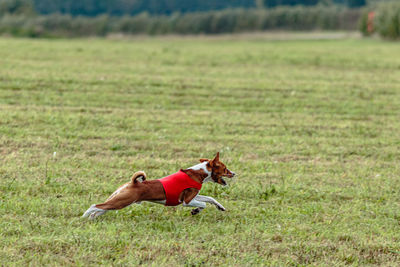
column 233, row 174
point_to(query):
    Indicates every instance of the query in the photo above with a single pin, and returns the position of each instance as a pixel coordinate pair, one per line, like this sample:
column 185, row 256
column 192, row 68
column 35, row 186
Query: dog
column 182, row 187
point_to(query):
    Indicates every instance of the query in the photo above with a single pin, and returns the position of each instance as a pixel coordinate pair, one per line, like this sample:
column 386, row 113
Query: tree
column 356, row 3
column 17, row 7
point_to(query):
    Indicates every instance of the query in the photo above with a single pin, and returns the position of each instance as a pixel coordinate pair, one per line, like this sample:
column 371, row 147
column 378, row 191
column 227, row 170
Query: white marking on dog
column 195, row 203
column 117, row 191
column 203, row 166
column 210, row 200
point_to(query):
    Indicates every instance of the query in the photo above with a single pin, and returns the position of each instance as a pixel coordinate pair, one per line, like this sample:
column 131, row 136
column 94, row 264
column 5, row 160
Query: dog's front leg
column 189, row 200
column 209, row 200
column 197, row 204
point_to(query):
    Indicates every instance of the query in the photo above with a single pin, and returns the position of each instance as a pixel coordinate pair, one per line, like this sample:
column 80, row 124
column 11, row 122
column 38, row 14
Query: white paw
column 97, row 213
column 93, row 215
column 88, row 212
column 93, row 212
column 221, row 208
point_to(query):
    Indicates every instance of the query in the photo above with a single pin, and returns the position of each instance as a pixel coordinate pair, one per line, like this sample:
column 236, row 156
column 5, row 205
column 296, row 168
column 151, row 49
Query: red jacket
column 174, row 184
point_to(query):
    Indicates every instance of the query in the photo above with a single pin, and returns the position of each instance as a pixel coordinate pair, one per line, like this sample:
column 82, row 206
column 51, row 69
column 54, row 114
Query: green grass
column 311, row 127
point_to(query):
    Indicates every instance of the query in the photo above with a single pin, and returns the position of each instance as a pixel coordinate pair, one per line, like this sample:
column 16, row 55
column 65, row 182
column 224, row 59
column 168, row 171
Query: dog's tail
column 138, row 177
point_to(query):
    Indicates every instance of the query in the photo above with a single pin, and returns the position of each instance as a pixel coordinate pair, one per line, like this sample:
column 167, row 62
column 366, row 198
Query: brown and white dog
column 158, row 191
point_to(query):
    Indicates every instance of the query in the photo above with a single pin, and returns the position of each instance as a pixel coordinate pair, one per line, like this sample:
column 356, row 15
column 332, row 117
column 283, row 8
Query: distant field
column 311, row 126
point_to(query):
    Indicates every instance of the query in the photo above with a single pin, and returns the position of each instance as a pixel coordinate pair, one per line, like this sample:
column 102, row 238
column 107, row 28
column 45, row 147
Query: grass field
column 311, row 127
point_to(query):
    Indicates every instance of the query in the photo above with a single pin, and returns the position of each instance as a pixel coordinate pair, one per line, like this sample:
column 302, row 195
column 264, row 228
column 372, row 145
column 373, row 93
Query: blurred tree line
column 211, row 22
column 166, row 7
column 382, row 18
column 21, row 17
column 159, row 7
column 17, row 7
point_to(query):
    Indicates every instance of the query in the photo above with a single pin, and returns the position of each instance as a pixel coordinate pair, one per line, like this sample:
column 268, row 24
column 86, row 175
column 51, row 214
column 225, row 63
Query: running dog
column 182, row 187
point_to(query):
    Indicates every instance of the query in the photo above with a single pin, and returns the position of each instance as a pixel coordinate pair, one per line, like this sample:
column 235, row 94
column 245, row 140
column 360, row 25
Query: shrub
column 226, row 21
column 383, row 19
column 16, row 7
column 387, row 20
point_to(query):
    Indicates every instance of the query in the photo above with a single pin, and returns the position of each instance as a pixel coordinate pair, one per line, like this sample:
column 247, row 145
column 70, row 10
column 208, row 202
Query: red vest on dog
column 174, row 184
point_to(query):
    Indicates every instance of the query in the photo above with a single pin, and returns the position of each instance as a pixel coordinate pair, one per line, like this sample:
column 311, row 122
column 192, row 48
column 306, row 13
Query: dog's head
column 218, row 170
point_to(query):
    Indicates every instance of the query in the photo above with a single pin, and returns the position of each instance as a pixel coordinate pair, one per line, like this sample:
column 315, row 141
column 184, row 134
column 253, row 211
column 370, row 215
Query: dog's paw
column 221, row 208
column 195, row 211
column 96, row 214
column 89, row 211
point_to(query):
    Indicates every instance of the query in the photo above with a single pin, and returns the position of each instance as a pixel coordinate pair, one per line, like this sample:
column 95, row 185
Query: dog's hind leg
column 99, row 209
column 93, row 212
column 118, row 201
column 124, row 196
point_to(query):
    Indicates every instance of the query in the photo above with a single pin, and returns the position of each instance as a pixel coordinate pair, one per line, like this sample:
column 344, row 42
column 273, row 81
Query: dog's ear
column 202, row 160
column 216, row 159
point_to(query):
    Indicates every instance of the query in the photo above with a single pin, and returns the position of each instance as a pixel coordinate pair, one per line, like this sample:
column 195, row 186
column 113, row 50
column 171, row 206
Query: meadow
column 310, row 126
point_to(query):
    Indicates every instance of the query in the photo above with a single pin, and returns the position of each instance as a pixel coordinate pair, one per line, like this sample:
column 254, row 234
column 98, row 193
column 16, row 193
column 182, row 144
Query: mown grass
column 311, row 126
